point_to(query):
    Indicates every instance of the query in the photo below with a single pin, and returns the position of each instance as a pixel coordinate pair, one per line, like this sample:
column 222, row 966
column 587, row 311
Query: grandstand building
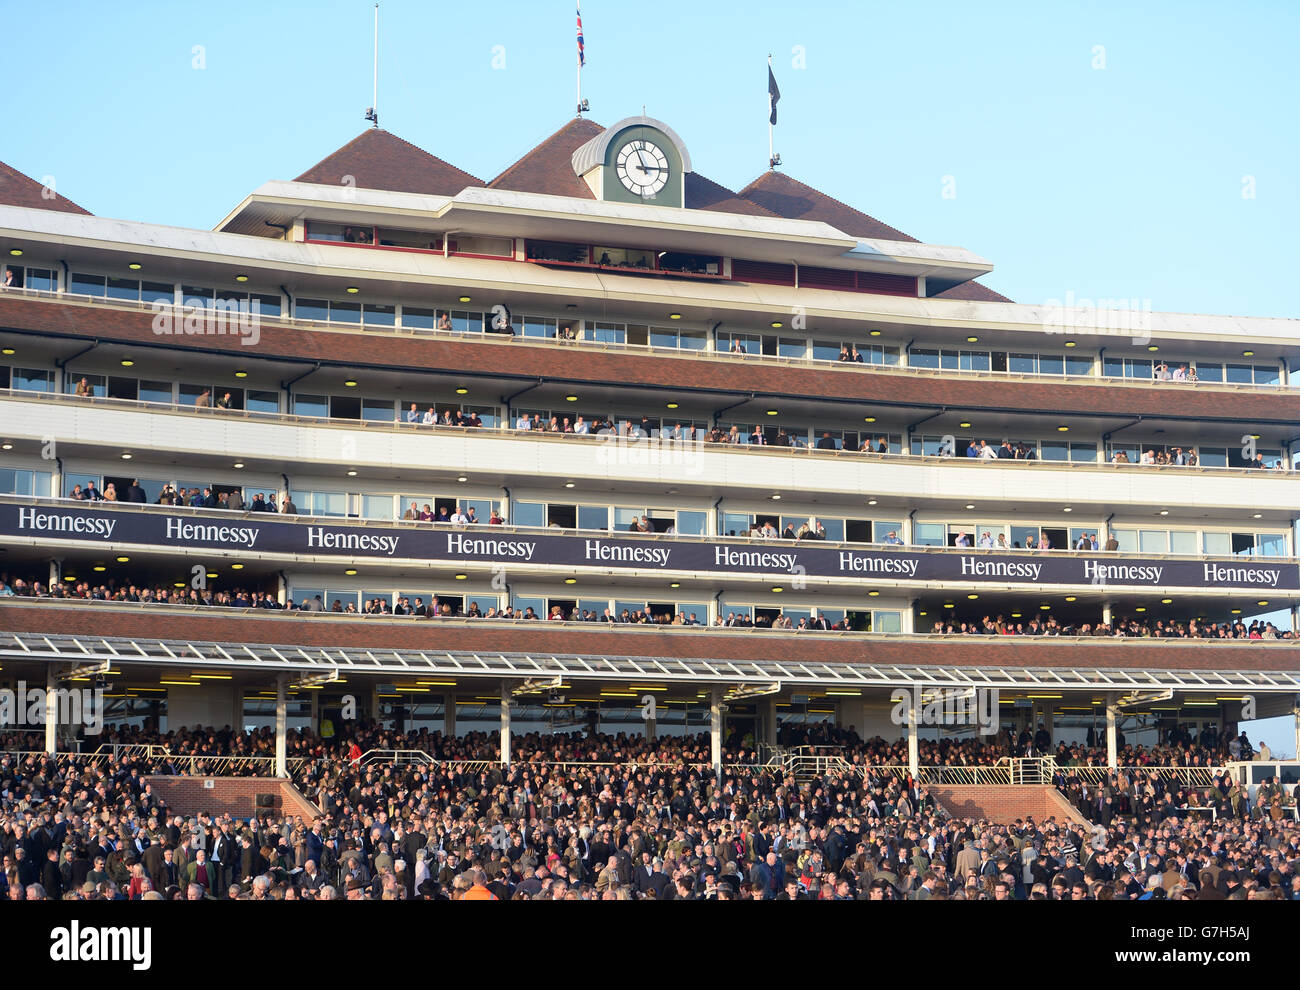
column 734, row 412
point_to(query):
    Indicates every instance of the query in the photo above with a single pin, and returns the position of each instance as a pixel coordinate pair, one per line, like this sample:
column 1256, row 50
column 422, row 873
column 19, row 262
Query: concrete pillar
column 907, row 619
column 913, row 735
column 1112, row 735
column 715, row 729
column 1049, row 720
column 1295, row 714
column 505, row 723
column 1105, row 610
column 56, row 568
column 51, row 711
column 281, row 727
column 449, row 715
column 767, row 713
column 282, row 590
column 651, row 731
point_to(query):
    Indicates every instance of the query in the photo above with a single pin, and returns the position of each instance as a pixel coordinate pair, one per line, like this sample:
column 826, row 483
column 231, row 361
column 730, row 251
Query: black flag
column 773, row 92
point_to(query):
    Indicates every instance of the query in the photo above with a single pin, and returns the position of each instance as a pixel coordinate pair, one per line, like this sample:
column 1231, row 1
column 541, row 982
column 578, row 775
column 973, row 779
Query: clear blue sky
column 1122, row 181
column 1116, row 182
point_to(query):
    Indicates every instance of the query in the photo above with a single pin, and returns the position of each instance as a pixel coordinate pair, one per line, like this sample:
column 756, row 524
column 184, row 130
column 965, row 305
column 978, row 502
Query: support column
column 505, row 723
column 1295, row 753
column 1112, row 736
column 1105, row 607
column 715, row 728
column 281, row 728
column 56, row 568
column 51, row 711
column 1049, row 720
column 449, row 715
column 913, row 735
column 768, row 715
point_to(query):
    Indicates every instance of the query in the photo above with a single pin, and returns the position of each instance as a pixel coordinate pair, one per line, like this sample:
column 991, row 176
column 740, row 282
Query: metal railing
column 697, row 444
column 1191, row 776
column 705, row 354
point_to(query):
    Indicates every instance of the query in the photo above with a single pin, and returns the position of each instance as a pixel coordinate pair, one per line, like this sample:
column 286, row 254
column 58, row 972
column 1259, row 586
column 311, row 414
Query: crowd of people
column 612, row 818
column 1135, row 628
column 435, row 608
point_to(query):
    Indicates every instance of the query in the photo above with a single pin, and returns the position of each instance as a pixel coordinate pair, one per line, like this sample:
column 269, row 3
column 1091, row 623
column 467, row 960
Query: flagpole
column 375, row 99
column 770, row 151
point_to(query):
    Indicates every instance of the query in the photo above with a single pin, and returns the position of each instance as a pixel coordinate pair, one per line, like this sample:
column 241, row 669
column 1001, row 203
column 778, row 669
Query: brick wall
column 18, row 615
column 1004, row 804
column 516, row 358
column 230, row 795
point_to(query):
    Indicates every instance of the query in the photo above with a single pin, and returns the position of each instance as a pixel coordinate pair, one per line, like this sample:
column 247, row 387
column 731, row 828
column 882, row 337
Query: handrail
column 306, row 519
column 507, row 431
column 224, row 611
column 372, row 330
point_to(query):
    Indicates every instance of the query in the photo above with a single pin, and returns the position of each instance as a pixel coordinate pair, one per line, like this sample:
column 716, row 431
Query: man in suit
column 152, row 858
column 200, row 871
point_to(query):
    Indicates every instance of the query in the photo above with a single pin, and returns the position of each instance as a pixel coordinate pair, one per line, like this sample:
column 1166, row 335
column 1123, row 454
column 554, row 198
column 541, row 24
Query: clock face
column 642, row 168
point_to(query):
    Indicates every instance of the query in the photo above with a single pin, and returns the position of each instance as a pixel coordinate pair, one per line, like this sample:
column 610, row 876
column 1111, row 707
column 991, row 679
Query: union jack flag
column 582, row 53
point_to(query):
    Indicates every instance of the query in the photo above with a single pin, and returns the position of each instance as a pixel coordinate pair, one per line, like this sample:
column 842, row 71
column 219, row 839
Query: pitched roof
column 377, row 159
column 705, row 194
column 795, row 200
column 548, row 168
column 17, row 189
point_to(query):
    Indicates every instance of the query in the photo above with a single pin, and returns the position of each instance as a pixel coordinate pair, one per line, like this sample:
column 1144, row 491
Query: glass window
column 881, row 530
column 123, row 288
column 1127, row 539
column 974, row 361
column 791, row 347
column 1272, row 544
column 834, row 529
column 377, row 506
column 1051, row 364
column 928, row 534
column 377, row 410
column 152, row 292
column 1240, row 374
column 88, row 285
column 1022, row 364
column 345, row 312
column 920, row 357
column 311, row 405
column 735, row 524
column 1153, row 541
column 1078, row 364
column 312, row 309
column 418, row 319
column 1053, row 450
column 692, row 340
column 1218, row 544
column 538, row 605
column 1112, row 367
column 1267, row 374
column 1213, row 456
column 380, row 316
column 593, row 517
column 886, row 622
column 263, row 402
column 607, row 333
column 1182, row 542
column 464, row 321
column 265, row 305
column 33, row 380
column 625, row 517
column 538, row 326
column 43, row 279
column 327, row 504
column 1083, row 452
column 528, row 514
column 1208, row 372
column 690, row 523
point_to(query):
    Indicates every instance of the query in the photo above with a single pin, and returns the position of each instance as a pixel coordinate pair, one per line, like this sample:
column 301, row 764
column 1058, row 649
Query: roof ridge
column 389, row 135
column 837, row 202
column 546, row 140
column 25, row 183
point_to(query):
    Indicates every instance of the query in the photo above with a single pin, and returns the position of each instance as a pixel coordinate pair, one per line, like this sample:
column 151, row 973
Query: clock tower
column 637, row 160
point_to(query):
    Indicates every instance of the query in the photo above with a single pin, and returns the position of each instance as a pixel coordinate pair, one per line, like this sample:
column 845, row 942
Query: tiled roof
column 795, row 200
column 377, row 159
column 548, row 168
column 17, row 189
column 790, row 198
column 705, row 194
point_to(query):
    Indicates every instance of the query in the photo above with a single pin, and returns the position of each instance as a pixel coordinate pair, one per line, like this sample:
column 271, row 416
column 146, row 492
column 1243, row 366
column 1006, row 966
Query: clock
column 642, row 168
